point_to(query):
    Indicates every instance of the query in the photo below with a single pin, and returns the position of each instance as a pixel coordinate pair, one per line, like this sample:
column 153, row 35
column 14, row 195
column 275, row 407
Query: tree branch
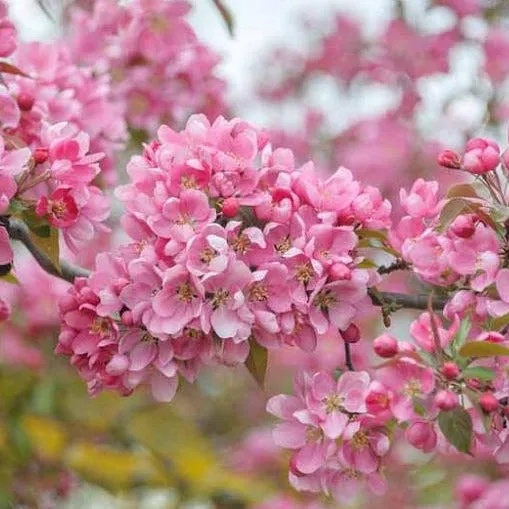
column 402, row 300
column 18, row 230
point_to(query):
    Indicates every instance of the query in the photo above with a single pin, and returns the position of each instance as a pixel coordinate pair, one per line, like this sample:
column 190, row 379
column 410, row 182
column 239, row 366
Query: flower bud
column 422, row 435
column 449, row 159
column 450, row 370
column 40, row 155
column 5, row 310
column 463, row 226
column 351, row 334
column 446, row 400
column 469, row 488
column 488, row 402
column 386, row 346
column 340, row 272
column 25, row 101
column 230, row 207
column 481, row 156
column 127, row 318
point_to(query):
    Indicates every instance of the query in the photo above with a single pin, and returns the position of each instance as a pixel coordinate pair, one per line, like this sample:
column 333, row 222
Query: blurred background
column 380, row 86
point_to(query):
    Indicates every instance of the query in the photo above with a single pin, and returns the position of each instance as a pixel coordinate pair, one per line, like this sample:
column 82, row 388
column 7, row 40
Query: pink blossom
column 422, row 332
column 481, row 156
column 422, row 201
column 422, row 435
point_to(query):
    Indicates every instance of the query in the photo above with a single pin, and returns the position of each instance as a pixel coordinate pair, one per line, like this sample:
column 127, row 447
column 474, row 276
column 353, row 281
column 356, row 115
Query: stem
column 348, row 357
column 18, row 230
column 406, row 301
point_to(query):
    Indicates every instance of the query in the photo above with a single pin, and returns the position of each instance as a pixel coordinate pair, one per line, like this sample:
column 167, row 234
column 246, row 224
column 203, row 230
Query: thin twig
column 18, row 230
column 348, row 357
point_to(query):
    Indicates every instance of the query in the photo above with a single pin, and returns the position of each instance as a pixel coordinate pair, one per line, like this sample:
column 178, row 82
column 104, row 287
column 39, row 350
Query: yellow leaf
column 47, row 437
column 113, row 468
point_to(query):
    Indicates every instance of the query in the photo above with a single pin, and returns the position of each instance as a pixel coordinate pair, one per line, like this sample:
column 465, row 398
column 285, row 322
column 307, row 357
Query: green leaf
column 499, row 322
column 462, row 191
column 451, row 210
column 483, row 349
column 43, row 235
column 256, row 362
column 10, row 278
column 365, row 233
column 456, row 425
column 367, row 264
column 226, row 15
column 480, row 372
column 461, row 336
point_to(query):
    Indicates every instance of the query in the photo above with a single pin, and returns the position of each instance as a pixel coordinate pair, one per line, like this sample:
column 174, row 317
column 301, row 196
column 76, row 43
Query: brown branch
column 404, row 301
column 18, row 230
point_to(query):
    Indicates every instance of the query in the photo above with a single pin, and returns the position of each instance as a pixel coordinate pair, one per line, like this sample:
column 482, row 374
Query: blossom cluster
column 49, row 165
column 232, row 245
column 161, row 72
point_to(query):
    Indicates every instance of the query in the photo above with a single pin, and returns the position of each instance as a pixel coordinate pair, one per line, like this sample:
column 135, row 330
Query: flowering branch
column 18, row 230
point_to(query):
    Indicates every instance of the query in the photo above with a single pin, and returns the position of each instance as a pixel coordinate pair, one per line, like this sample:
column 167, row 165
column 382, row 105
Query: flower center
column 324, row 300
column 207, row 255
column 333, row 402
column 220, row 298
column 258, row 292
column 185, row 219
column 304, row 273
column 313, row 434
column 240, row 244
column 100, row 326
column 351, row 473
column 284, row 245
column 359, row 441
column 412, row 388
column 58, row 208
column 194, row 334
column 185, row 292
column 188, row 182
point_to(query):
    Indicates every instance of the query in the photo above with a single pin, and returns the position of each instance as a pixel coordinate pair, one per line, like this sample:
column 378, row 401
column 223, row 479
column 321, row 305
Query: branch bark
column 18, row 230
column 406, row 301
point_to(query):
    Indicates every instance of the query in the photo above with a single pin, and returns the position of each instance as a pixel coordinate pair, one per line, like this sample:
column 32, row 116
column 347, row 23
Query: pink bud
column 5, row 310
column 230, row 207
column 422, row 435
column 446, row 400
column 450, row 370
column 127, row 318
column 481, row 156
column 351, row 334
column 386, row 346
column 40, row 155
column 449, row 159
column 463, row 226
column 340, row 272
column 470, row 487
column 25, row 101
column 488, row 402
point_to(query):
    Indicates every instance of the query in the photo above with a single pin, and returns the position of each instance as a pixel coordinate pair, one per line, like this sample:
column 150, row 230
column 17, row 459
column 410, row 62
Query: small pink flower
column 335, row 399
column 481, row 156
column 422, row 201
column 422, row 332
column 59, row 207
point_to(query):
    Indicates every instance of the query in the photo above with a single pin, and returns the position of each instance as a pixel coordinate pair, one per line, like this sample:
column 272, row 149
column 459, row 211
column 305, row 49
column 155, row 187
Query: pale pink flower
column 422, row 201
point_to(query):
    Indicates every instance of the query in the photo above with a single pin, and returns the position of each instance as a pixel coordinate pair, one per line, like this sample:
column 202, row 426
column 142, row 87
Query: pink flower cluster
column 56, row 90
column 338, row 442
column 233, row 244
column 48, row 168
column 160, row 71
